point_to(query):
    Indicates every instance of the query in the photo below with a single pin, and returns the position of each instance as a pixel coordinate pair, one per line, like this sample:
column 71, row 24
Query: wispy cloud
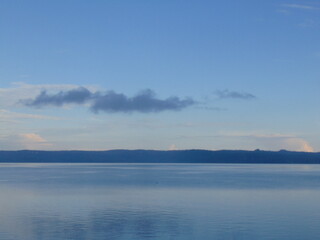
column 9, row 115
column 223, row 94
column 308, row 23
column 301, row 6
column 33, row 140
column 146, row 101
column 207, row 108
column 308, row 8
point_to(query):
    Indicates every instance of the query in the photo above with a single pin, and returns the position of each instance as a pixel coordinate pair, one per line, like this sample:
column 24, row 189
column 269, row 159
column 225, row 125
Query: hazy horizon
column 144, row 149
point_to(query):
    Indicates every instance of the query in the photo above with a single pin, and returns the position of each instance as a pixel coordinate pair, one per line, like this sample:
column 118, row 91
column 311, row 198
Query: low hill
column 153, row 156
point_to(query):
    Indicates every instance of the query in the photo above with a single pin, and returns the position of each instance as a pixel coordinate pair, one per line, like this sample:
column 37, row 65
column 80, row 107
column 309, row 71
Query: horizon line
column 156, row 150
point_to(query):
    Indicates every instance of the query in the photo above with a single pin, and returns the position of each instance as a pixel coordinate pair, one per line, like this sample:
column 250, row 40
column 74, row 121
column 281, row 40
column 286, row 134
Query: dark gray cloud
column 145, row 101
column 110, row 101
column 233, row 94
column 76, row 96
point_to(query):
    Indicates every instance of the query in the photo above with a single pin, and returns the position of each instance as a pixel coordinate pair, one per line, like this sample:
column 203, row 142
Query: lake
column 159, row 201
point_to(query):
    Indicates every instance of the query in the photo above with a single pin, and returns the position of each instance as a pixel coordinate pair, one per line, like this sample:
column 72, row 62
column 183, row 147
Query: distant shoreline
column 158, row 156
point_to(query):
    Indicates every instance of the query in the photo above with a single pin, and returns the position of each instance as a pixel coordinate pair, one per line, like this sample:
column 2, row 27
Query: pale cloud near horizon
column 172, row 147
column 298, row 144
column 33, row 141
column 274, row 141
column 29, row 141
column 10, row 115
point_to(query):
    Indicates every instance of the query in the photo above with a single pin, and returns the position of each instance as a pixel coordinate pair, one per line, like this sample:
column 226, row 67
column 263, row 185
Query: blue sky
column 159, row 74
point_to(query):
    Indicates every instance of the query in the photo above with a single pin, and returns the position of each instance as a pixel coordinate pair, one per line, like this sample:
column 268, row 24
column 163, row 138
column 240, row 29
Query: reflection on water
column 159, row 201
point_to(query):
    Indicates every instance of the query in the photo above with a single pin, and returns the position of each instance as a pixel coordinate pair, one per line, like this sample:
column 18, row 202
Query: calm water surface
column 159, row 201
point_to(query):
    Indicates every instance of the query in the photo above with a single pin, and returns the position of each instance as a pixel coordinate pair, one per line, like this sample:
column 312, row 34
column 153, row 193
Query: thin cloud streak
column 300, row 6
column 110, row 101
column 224, row 94
column 9, row 115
